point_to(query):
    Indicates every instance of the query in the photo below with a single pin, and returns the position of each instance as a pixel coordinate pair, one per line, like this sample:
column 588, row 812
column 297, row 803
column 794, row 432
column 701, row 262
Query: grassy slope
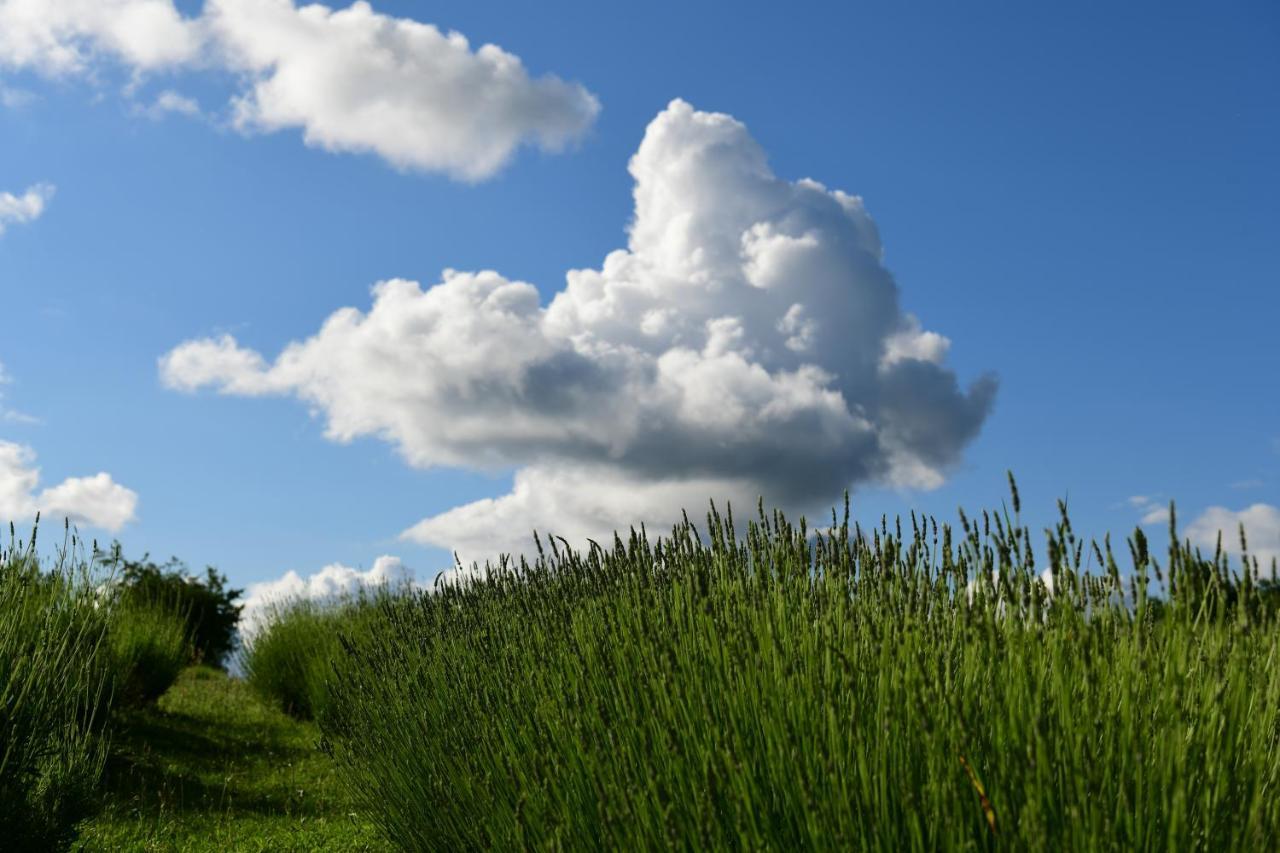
column 213, row 768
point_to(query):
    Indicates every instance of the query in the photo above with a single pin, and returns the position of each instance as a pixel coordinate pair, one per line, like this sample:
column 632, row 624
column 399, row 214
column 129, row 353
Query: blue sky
column 1083, row 200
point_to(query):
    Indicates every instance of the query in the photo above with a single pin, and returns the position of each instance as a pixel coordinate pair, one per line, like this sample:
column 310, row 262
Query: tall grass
column 838, row 689
column 53, row 682
column 289, row 660
column 71, row 653
column 148, row 645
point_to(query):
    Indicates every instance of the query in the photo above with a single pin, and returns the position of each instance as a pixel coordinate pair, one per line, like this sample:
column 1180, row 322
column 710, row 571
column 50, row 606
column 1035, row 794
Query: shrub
column 52, row 683
column 286, row 661
column 846, row 689
column 289, row 660
column 149, row 646
column 208, row 604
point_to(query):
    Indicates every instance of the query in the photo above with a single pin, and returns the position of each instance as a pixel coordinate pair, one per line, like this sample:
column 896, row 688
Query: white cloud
column 1153, row 510
column 332, row 583
column 169, row 103
column 17, row 209
column 355, row 80
column 96, row 501
column 1262, row 529
column 67, row 37
column 577, row 502
column 14, row 99
column 351, row 80
column 747, row 341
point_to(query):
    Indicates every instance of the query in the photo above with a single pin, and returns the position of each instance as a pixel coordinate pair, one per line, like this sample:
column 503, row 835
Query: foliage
column 844, row 688
column 289, row 660
column 207, row 602
column 149, row 646
column 53, row 681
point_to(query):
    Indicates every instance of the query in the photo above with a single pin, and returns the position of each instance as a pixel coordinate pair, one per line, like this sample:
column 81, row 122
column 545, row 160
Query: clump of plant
column 776, row 687
column 149, row 646
column 206, row 602
column 53, row 684
column 289, row 658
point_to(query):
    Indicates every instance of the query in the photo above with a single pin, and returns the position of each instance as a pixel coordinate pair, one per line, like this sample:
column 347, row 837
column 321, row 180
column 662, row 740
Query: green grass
column 148, row 646
column 289, row 661
column 212, row 767
column 54, row 691
column 868, row 690
column 770, row 688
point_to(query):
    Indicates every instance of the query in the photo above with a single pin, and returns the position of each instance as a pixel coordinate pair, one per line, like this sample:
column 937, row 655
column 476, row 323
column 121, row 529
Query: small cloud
column 1153, row 510
column 95, row 501
column 28, row 207
column 1248, row 484
column 15, row 99
column 169, row 103
column 13, row 416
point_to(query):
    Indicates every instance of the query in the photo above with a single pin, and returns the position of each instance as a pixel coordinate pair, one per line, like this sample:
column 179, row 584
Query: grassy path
column 213, row 768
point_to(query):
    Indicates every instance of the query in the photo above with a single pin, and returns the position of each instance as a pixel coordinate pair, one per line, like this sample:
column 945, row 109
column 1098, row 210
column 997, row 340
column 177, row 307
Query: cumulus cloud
column 748, row 341
column 17, row 209
column 1261, row 524
column 351, row 80
column 332, row 583
column 96, row 501
column 355, row 80
column 68, row 37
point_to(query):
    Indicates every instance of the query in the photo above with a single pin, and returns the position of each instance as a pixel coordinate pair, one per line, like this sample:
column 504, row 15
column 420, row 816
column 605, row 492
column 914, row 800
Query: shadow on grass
column 176, row 762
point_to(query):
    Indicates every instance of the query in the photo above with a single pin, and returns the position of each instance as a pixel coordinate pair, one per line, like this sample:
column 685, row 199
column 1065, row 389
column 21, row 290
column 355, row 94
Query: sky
column 321, row 296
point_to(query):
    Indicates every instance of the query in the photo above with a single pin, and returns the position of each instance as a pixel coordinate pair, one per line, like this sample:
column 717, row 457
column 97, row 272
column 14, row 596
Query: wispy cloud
column 7, row 414
column 15, row 99
column 1153, row 511
column 169, row 103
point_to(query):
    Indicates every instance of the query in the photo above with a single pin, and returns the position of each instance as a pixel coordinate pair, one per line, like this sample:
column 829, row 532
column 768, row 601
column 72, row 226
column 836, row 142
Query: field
column 730, row 686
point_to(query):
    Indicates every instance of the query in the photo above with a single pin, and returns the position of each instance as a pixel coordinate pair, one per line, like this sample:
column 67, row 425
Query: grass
column 148, row 646
column 852, row 689
column 54, row 688
column 212, row 767
column 289, row 662
column 942, row 688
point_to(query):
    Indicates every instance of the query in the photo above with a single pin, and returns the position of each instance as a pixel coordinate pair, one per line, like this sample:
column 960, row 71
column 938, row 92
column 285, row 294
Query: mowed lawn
column 211, row 767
